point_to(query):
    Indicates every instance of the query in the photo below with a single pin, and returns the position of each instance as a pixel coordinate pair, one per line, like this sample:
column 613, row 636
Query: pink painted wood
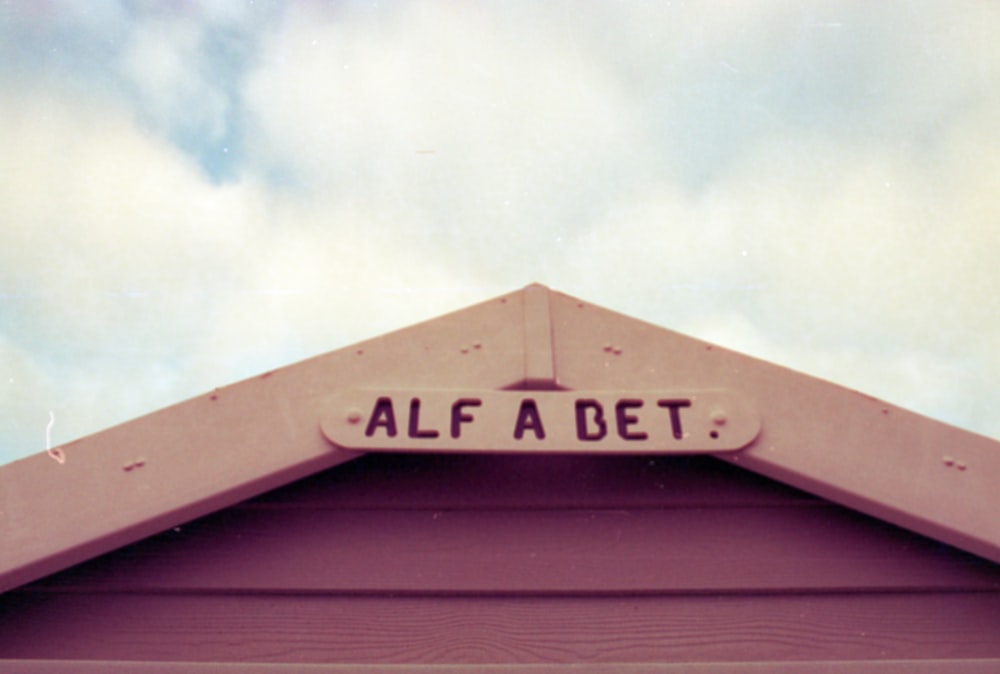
column 61, row 507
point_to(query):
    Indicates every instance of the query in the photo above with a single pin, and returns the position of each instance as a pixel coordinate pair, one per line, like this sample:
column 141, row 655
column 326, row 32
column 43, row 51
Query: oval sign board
column 638, row 422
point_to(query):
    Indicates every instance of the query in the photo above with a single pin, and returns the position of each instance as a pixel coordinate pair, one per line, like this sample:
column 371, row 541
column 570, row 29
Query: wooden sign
column 636, row 422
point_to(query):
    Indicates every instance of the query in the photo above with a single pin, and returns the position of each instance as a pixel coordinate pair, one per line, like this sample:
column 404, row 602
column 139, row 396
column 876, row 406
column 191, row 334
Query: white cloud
column 320, row 278
column 467, row 136
column 854, row 263
column 131, row 280
column 812, row 183
column 116, row 245
column 163, row 61
column 100, row 209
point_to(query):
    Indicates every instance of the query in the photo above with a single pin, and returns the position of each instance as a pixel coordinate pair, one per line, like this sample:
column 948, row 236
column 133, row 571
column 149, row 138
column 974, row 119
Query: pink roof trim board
column 74, row 502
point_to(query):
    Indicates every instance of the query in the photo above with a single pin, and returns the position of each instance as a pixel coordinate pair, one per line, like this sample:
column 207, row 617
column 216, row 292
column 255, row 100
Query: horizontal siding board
column 514, row 551
column 978, row 666
column 501, row 630
column 540, row 481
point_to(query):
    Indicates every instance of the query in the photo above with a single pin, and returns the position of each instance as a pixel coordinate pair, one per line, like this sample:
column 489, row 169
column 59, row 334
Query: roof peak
column 232, row 443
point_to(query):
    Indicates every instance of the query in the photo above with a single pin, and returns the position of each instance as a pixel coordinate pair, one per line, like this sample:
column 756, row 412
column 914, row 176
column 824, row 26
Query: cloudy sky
column 193, row 193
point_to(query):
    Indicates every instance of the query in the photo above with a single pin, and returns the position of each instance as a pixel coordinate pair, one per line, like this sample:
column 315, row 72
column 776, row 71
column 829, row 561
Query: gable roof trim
column 165, row 468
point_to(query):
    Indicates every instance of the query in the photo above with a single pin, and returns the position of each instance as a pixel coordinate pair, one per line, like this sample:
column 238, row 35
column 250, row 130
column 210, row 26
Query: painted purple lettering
column 458, row 417
column 624, row 419
column 675, row 414
column 528, row 418
column 382, row 416
column 414, row 430
column 583, row 431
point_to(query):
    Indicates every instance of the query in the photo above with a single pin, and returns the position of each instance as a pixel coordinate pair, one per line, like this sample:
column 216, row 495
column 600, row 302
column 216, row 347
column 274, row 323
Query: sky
column 194, row 193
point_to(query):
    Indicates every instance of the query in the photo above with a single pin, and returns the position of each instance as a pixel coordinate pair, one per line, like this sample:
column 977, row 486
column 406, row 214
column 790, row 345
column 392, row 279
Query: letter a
column 382, row 415
column 528, row 417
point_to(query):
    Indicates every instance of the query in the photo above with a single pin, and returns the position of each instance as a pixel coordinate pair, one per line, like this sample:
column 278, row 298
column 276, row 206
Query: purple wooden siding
column 519, row 559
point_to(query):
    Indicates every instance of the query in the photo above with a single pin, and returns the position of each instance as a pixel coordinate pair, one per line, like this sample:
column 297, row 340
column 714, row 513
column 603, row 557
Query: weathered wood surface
column 517, row 551
column 98, row 493
column 436, row 524
column 831, row 441
column 90, row 496
column 383, row 629
column 514, row 481
column 978, row 666
column 374, row 562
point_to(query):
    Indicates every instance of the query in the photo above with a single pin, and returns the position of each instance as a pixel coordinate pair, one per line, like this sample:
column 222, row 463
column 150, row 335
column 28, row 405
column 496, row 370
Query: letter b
column 583, row 430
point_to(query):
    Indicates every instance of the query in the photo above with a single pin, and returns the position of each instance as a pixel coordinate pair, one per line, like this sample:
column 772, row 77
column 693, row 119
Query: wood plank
column 978, row 666
column 106, row 490
column 523, row 551
column 539, row 358
column 543, row 481
column 273, row 628
column 891, row 463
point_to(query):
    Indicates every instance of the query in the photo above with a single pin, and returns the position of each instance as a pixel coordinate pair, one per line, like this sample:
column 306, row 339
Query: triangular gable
column 101, row 492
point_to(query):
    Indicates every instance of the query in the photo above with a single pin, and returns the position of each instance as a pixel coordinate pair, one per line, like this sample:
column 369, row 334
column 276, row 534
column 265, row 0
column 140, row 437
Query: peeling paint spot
column 267, row 374
column 952, row 462
column 133, row 464
column 56, row 453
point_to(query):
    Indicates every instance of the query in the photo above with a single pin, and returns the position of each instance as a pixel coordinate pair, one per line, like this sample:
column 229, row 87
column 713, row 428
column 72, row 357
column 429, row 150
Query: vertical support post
column 539, row 356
